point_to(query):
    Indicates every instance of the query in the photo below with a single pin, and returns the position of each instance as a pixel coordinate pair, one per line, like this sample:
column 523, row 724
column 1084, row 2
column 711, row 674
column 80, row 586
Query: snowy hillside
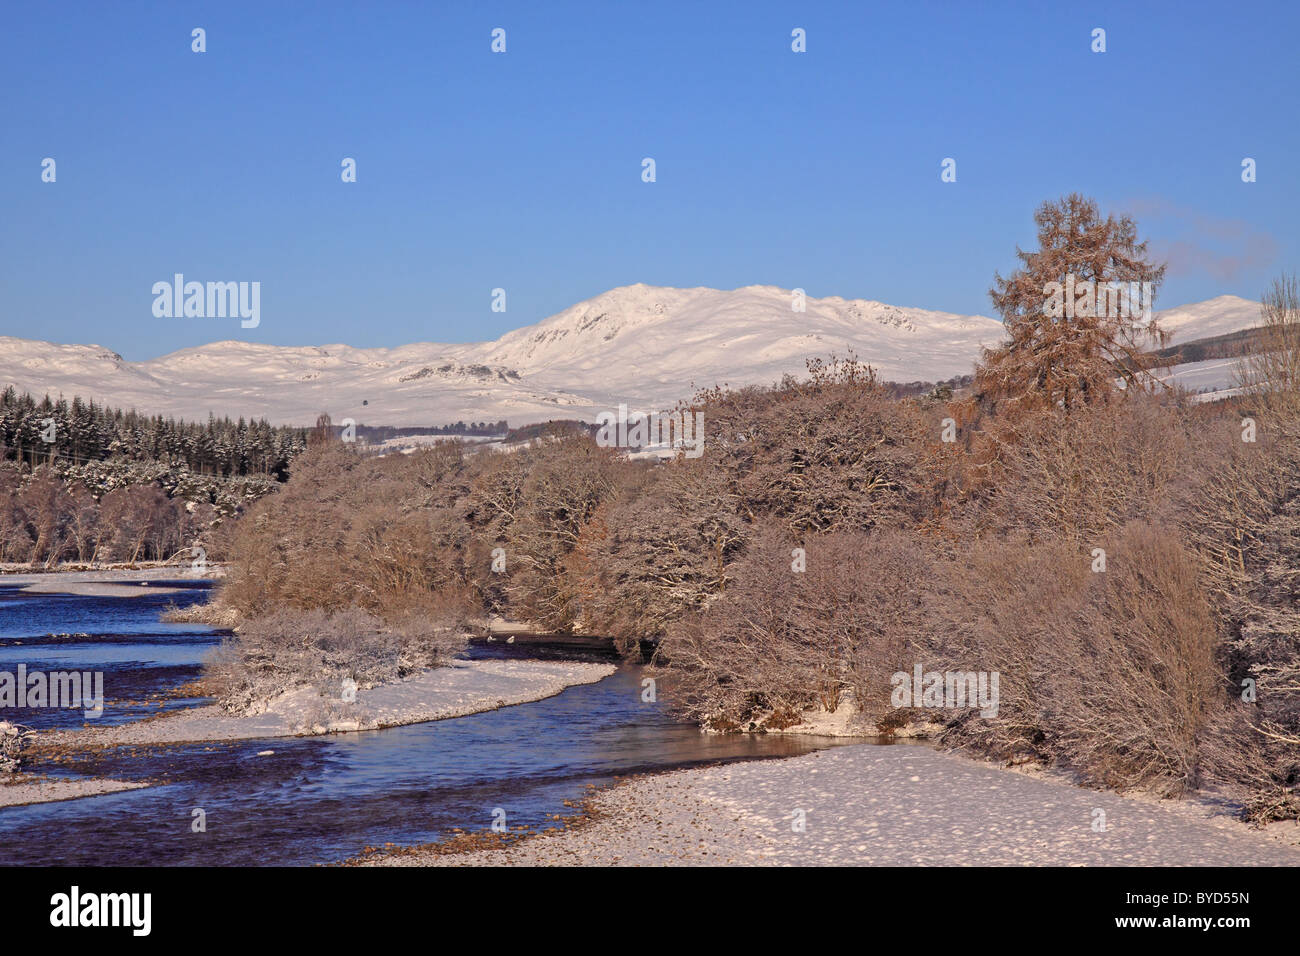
column 642, row 345
column 1217, row 316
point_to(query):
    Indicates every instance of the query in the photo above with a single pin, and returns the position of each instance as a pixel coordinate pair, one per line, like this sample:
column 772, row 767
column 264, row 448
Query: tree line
column 83, row 482
column 41, row 432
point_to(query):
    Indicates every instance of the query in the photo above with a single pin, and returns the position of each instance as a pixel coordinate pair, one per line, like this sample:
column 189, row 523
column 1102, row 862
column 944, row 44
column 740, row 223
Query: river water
column 313, row 799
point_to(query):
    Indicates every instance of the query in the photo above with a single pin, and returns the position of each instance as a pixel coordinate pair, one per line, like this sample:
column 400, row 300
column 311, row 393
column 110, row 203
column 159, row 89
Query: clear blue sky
column 523, row 171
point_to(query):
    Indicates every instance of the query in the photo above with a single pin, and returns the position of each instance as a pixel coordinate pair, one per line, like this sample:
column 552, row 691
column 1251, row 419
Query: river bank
column 24, row 789
column 132, row 581
column 456, row 690
column 869, row 805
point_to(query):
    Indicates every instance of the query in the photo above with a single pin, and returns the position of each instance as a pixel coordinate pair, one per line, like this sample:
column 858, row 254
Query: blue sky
column 523, row 170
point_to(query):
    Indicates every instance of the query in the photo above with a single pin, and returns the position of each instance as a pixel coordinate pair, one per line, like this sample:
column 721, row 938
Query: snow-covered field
column 1213, row 378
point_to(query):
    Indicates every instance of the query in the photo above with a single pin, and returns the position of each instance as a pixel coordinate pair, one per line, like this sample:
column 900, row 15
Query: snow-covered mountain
column 1201, row 320
column 642, row 345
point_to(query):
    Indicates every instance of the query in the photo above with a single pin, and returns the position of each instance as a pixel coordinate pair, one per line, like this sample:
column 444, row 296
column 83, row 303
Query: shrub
column 834, row 453
column 664, row 547
column 780, row 641
column 1112, row 674
column 292, row 648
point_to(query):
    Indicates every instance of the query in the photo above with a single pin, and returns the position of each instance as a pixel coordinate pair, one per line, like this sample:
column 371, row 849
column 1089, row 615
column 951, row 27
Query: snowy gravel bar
column 460, row 688
column 872, row 805
column 24, row 790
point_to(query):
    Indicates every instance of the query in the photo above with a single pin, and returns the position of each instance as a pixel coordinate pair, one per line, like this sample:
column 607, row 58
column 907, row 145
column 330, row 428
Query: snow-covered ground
column 456, row 690
column 645, row 346
column 1213, row 378
column 871, row 805
column 26, row 788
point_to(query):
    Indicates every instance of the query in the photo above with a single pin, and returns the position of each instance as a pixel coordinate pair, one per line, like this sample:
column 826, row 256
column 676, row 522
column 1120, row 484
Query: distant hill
column 644, row 346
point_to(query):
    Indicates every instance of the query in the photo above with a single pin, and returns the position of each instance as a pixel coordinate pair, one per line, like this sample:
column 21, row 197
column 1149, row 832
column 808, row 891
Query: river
column 314, row 799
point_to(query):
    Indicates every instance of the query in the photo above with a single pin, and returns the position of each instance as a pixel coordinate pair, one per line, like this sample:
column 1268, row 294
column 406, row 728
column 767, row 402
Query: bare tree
column 45, row 506
column 83, row 526
column 323, row 432
column 1273, row 372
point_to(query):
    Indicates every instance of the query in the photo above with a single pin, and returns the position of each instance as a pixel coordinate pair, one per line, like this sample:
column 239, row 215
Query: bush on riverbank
column 778, row 641
column 13, row 738
column 1112, row 674
column 287, row 649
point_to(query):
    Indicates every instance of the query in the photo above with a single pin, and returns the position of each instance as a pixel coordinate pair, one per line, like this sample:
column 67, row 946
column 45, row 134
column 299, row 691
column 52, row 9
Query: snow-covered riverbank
column 876, row 805
column 459, row 689
column 104, row 582
column 23, row 789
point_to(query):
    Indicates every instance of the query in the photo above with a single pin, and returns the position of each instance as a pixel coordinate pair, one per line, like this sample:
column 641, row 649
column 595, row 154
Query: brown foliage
column 778, row 640
column 46, row 519
column 662, row 548
column 1084, row 474
column 1112, row 674
column 1244, row 519
column 835, row 452
column 1050, row 361
column 349, row 530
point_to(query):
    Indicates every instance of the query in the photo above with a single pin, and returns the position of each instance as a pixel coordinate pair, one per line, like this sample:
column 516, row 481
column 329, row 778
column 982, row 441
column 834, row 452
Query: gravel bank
column 107, row 582
column 876, row 805
column 461, row 688
column 25, row 790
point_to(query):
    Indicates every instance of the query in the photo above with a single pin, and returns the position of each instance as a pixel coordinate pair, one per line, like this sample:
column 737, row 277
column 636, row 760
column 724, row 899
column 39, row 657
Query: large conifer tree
column 1054, row 358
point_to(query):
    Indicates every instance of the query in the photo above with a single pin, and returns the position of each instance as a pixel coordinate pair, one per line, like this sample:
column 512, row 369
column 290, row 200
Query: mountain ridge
column 640, row 345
